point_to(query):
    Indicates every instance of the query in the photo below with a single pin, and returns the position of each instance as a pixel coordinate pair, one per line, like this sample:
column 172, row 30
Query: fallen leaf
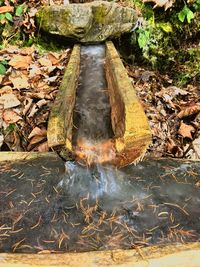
column 161, row 3
column 171, row 92
column 19, row 81
column 27, row 104
column 34, row 70
column 54, row 58
column 186, row 130
column 20, row 62
column 6, row 89
column 10, row 116
column 43, row 147
column 45, row 62
column 5, row 9
column 37, row 132
column 9, row 101
column 189, row 110
column 196, row 145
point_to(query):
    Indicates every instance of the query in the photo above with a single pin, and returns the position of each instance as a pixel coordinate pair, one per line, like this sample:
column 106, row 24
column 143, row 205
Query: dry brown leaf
column 54, row 58
column 172, row 147
column 10, row 116
column 34, row 70
column 27, row 104
column 161, row 3
column 186, row 130
column 43, row 147
column 33, row 111
column 189, row 110
column 20, row 62
column 36, row 139
column 6, row 90
column 9, row 101
column 196, row 145
column 19, row 81
column 37, row 132
column 4, row 9
column 45, row 62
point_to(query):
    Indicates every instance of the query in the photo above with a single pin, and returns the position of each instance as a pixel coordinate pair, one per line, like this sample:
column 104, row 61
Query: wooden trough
column 169, row 255
column 132, row 134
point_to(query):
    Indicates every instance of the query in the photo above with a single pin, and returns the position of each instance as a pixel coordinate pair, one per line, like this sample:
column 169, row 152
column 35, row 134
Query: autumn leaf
column 10, row 116
column 161, row 3
column 186, row 130
column 54, row 58
column 189, row 110
column 5, row 9
column 196, row 145
column 45, row 62
column 19, row 81
column 43, row 147
column 20, row 62
column 37, row 132
column 9, row 101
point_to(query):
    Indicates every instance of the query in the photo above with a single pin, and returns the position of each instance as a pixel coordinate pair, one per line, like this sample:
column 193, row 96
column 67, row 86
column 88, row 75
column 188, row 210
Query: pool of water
column 46, row 205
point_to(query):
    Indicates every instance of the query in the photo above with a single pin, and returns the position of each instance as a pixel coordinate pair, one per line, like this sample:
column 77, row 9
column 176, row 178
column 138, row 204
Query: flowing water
column 92, row 114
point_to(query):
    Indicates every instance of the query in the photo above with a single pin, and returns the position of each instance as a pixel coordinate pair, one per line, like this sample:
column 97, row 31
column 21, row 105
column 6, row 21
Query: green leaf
column 182, row 14
column 2, row 16
column 143, row 38
column 4, row 62
column 166, row 27
column 190, row 15
column 19, row 10
column 2, row 69
column 186, row 13
column 9, row 16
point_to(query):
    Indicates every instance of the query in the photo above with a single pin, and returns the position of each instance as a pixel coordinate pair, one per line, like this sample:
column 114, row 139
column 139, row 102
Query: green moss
column 99, row 14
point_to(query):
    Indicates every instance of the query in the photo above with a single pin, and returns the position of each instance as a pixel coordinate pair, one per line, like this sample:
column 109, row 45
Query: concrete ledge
column 166, row 256
column 60, row 122
column 129, row 122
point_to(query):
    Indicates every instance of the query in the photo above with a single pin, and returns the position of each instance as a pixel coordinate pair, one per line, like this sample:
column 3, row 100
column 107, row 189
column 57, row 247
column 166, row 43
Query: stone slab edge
column 129, row 122
column 59, row 132
column 185, row 255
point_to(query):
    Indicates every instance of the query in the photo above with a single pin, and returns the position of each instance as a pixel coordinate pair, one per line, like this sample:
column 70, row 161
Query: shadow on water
column 46, row 205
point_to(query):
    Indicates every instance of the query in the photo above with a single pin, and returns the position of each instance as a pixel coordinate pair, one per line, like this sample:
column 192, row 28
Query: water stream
column 92, row 131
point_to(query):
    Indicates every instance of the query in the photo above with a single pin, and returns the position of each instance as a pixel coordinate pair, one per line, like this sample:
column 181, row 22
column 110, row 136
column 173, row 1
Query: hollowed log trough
column 132, row 135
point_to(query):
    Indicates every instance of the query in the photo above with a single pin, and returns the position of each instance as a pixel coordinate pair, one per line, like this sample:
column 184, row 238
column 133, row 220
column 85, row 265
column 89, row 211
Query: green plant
column 3, row 69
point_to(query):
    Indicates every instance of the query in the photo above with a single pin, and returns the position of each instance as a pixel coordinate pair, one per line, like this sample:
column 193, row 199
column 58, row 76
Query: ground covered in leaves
column 27, row 91
column 173, row 113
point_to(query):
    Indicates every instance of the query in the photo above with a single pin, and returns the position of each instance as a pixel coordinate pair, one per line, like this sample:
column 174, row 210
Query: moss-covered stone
column 89, row 22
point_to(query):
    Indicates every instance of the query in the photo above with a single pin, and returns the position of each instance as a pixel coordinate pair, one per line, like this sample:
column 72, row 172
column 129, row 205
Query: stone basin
column 89, row 22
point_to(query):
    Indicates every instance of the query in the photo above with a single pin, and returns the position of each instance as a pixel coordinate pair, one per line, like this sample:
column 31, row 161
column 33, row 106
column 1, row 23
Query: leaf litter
column 27, row 91
column 173, row 113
